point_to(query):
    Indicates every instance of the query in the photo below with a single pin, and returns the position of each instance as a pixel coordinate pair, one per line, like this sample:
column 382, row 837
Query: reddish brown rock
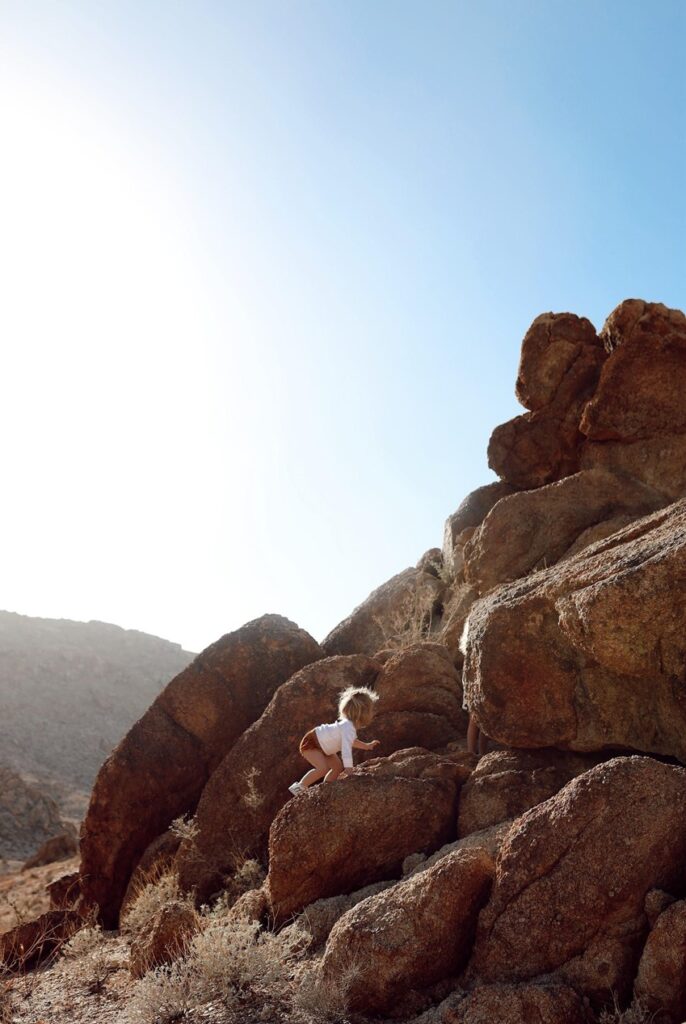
column 33, row 942
column 318, row 919
column 340, row 837
column 590, row 654
column 60, row 847
column 573, row 874
column 636, row 420
column 159, row 769
column 421, row 678
column 660, row 984
column 405, row 607
column 170, row 932
column 64, row 891
column 411, row 935
column 510, row 1004
column 157, row 860
column 470, row 514
column 506, row 783
column 488, row 839
column 533, row 529
column 559, row 368
column 250, row 786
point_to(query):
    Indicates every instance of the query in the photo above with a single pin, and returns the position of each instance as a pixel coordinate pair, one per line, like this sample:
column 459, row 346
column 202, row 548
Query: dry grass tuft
column 409, row 624
column 235, row 964
column 634, row 1014
column 325, row 1003
column 153, row 895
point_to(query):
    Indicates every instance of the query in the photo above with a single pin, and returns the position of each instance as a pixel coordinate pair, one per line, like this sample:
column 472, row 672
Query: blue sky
column 268, row 270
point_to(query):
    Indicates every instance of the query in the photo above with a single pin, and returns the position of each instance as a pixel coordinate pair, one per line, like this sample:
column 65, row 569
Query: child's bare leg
column 320, row 766
column 473, row 736
column 483, row 743
column 335, row 768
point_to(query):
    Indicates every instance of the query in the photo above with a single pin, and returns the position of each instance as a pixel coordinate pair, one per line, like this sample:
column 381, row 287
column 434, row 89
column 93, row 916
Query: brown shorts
column 310, row 742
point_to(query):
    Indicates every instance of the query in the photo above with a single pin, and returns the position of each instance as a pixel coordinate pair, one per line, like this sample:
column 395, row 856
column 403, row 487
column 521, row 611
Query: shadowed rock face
column 589, row 654
column 506, row 783
column 510, row 1004
column 560, row 364
column 660, row 983
column 160, row 768
column 340, row 837
column 411, row 935
column 404, row 605
column 573, row 874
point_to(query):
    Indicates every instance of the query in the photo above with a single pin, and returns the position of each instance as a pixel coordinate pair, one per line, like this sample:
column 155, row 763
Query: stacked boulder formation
column 545, row 881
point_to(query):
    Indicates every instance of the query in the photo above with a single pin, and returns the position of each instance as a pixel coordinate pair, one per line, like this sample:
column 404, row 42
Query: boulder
column 59, row 847
column 470, row 514
column 573, row 874
column 410, row 936
column 506, row 783
column 533, row 529
column 660, row 984
column 160, row 768
column 157, row 861
column 636, row 420
column 33, row 942
column 559, row 368
column 590, row 654
column 421, row 678
column 170, row 932
column 509, row 1004
column 318, row 919
column 28, row 817
column 339, row 837
column 403, row 609
column 250, row 786
column 458, row 603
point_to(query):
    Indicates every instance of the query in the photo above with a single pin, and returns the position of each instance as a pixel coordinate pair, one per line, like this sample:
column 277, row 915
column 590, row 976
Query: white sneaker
column 296, row 789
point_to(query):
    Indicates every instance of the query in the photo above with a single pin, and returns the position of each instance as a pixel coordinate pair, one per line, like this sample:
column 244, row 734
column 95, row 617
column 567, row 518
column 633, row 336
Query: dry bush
column 149, row 902
column 89, row 947
column 252, row 797
column 185, row 828
column 410, row 624
column 634, row 1014
column 234, row 963
column 326, row 1003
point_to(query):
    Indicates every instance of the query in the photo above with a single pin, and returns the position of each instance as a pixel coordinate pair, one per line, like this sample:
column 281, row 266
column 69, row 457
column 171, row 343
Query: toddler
column 321, row 746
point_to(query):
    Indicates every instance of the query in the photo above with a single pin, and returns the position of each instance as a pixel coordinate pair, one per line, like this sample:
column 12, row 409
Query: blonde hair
column 357, row 705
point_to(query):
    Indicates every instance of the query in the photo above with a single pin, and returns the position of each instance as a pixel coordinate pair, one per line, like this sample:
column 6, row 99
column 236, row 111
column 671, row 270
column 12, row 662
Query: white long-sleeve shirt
column 338, row 736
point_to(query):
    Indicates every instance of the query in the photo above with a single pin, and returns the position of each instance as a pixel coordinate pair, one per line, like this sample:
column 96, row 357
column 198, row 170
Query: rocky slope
column 545, row 882
column 68, row 692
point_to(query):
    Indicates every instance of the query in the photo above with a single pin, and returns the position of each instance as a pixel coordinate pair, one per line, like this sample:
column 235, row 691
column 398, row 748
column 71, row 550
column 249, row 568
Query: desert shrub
column 409, row 624
column 234, row 963
column 316, row 1002
column 634, row 1014
column 149, row 901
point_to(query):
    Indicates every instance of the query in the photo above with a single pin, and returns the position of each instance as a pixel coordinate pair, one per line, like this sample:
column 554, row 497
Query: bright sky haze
column 266, row 267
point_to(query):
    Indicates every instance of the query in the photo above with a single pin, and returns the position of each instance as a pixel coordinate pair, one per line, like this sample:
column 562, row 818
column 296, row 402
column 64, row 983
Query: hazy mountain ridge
column 69, row 690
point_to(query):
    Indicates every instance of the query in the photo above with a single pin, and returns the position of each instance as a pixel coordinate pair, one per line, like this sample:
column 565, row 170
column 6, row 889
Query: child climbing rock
column 321, row 746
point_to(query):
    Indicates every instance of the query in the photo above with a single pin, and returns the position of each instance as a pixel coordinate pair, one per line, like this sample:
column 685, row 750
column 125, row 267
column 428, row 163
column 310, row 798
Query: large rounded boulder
column 159, row 769
column 341, row 836
column 573, row 875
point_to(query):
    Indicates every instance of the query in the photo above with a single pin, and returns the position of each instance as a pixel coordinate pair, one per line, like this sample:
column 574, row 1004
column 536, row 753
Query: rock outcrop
column 573, row 874
column 250, row 786
column 410, row 936
column 590, row 654
column 159, row 769
column 559, row 368
column 533, row 529
column 404, row 607
column 28, row 816
column 169, row 934
column 338, row 838
column 510, row 1004
column 636, row 420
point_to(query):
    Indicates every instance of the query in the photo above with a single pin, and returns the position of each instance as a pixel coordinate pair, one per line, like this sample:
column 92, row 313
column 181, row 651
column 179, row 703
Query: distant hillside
column 70, row 690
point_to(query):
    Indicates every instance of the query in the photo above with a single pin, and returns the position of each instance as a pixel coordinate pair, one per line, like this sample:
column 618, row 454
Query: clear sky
column 265, row 268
